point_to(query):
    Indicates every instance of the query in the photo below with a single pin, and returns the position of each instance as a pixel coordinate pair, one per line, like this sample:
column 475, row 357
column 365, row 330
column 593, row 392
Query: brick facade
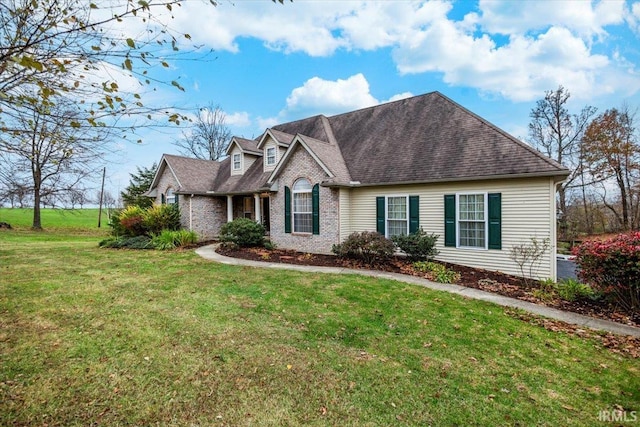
column 302, row 165
column 202, row 214
column 208, row 214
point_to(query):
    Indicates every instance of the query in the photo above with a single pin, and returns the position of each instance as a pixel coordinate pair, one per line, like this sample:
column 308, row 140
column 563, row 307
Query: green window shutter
column 162, row 199
column 315, row 205
column 414, row 213
column 450, row 220
column 495, row 220
column 177, row 199
column 287, row 209
column 380, row 215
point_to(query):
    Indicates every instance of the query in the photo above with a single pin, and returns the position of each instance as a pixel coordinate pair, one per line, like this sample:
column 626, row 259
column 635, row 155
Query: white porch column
column 229, row 208
column 256, row 208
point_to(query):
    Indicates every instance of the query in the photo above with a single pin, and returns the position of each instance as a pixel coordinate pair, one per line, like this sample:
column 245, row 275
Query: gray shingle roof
column 194, row 175
column 248, row 145
column 252, row 180
column 423, row 139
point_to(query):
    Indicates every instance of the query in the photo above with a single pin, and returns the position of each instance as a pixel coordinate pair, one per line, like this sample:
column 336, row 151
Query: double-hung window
column 397, row 215
column 271, row 156
column 236, row 162
column 472, row 220
column 302, row 207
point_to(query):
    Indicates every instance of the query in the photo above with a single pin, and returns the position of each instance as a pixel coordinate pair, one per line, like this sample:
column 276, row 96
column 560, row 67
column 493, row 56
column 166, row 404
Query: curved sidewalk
column 208, row 252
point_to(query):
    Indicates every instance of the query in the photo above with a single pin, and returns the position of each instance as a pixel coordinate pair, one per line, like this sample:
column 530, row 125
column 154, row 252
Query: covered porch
column 254, row 206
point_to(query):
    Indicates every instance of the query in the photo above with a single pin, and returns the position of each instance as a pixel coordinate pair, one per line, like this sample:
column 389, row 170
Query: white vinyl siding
column 528, row 210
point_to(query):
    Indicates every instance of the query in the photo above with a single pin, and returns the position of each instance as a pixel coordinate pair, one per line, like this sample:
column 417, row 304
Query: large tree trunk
column 37, row 182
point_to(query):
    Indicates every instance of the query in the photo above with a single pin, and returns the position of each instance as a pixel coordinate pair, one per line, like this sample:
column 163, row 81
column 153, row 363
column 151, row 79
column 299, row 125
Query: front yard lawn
column 116, row 337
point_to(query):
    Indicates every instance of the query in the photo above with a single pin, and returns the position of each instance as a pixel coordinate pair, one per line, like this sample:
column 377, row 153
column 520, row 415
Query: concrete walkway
column 208, row 252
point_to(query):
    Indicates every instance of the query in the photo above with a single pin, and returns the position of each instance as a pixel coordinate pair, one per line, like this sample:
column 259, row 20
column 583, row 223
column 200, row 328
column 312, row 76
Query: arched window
column 302, row 207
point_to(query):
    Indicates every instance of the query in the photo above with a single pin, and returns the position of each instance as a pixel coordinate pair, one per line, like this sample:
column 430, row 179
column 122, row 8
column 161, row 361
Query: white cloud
column 519, row 70
column 239, row 119
column 633, row 18
column 583, row 17
column 328, row 97
column 546, row 44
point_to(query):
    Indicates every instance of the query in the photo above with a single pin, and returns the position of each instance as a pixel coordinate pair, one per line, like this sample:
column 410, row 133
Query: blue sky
column 273, row 63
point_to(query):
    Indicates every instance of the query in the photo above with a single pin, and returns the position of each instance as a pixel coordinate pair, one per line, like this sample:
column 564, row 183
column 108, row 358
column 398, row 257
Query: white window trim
column 233, row 162
column 293, row 205
column 386, row 212
column 275, row 156
column 486, row 220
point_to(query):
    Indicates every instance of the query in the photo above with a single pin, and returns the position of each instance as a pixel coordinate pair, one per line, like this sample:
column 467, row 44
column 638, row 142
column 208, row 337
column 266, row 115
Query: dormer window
column 271, row 156
column 236, row 162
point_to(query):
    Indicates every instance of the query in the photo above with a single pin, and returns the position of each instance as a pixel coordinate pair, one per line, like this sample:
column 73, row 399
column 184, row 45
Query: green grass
column 61, row 220
column 116, row 337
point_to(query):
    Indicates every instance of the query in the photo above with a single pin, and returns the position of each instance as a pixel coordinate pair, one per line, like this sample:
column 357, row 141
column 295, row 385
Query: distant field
column 56, row 219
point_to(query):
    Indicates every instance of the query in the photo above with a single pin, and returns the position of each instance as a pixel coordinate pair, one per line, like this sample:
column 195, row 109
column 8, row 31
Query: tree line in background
column 602, row 193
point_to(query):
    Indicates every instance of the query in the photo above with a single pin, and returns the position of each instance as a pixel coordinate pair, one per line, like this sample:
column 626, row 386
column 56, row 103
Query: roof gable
column 192, row 175
column 247, row 146
column 283, row 139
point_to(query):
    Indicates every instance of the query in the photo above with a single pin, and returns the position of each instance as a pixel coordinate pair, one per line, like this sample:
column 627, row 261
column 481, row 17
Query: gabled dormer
column 243, row 152
column 273, row 144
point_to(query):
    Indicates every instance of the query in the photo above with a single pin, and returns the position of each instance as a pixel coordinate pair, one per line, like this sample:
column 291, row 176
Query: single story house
column 423, row 161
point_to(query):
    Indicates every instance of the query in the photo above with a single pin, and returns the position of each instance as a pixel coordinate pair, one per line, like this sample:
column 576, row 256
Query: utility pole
column 104, row 171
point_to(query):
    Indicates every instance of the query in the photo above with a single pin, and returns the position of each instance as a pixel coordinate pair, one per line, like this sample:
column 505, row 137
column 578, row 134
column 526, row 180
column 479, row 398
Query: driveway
column 566, row 268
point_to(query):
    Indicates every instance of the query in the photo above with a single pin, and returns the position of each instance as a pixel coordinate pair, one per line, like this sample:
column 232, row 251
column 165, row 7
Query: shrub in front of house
column 136, row 221
column 437, row 272
column 367, row 246
column 161, row 217
column 418, row 246
column 242, row 232
column 121, row 242
column 612, row 268
column 573, row 290
column 128, row 222
column 171, row 239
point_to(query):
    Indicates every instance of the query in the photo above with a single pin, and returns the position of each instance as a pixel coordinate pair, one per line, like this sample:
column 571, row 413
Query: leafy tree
column 557, row 133
column 85, row 48
column 139, row 184
column 52, row 157
column 612, row 149
column 209, row 136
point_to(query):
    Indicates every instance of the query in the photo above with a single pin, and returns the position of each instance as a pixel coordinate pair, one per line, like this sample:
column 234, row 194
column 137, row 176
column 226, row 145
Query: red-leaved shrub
column 612, row 267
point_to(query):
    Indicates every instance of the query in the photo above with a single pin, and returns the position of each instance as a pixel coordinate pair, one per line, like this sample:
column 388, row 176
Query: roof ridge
column 328, row 130
column 384, row 104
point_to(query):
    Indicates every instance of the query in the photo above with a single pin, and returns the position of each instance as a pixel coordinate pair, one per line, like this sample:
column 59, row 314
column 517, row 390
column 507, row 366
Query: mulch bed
column 499, row 283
